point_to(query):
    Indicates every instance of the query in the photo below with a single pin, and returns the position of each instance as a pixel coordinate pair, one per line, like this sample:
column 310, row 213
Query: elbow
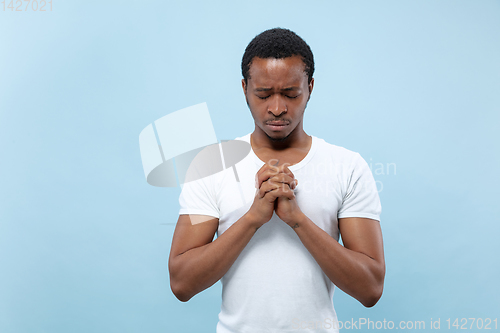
column 180, row 292
column 178, row 287
column 373, row 294
column 370, row 302
column 372, row 297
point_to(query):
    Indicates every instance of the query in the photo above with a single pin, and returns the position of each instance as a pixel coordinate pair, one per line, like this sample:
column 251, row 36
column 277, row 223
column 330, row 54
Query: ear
column 311, row 85
column 244, row 86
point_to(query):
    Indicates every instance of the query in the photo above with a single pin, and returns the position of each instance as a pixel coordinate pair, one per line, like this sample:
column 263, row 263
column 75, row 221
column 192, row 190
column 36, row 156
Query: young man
column 278, row 218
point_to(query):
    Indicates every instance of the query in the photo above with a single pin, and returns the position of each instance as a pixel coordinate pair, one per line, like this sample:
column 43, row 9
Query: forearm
column 199, row 268
column 355, row 273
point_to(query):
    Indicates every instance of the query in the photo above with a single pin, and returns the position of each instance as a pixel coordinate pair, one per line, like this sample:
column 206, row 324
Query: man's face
column 277, row 93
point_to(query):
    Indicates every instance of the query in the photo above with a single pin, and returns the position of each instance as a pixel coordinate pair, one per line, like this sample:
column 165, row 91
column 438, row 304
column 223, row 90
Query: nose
column 277, row 105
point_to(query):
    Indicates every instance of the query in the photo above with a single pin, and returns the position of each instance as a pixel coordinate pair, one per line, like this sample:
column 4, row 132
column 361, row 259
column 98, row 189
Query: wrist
column 297, row 221
column 252, row 220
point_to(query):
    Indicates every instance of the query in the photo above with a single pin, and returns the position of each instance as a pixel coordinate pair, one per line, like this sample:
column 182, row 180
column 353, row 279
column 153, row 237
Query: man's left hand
column 286, row 206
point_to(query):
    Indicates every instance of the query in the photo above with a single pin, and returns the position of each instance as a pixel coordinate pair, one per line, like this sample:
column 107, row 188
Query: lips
column 276, row 125
column 277, row 122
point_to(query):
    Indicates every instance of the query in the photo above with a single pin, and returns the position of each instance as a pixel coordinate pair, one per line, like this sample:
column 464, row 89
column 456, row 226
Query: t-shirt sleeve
column 361, row 197
column 198, row 197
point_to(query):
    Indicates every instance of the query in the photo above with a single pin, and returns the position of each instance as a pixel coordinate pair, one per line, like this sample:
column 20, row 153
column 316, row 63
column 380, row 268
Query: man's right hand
column 271, row 182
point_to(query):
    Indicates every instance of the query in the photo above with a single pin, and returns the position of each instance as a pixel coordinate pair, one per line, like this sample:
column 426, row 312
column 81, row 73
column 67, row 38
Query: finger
column 268, row 187
column 285, row 169
column 285, row 179
column 269, row 165
column 286, row 192
column 273, row 194
column 269, row 169
column 283, row 191
column 266, row 171
column 265, row 175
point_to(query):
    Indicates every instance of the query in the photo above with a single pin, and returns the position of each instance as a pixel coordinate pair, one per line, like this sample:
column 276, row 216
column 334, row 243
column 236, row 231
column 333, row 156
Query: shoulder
column 336, row 153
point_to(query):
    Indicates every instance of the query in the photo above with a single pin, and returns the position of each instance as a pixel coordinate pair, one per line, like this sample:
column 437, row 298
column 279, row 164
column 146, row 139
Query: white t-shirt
column 275, row 285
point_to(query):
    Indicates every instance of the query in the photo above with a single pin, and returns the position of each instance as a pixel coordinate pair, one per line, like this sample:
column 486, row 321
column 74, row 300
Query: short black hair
column 277, row 43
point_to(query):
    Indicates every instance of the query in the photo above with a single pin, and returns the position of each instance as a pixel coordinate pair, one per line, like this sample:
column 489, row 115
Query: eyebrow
column 269, row 89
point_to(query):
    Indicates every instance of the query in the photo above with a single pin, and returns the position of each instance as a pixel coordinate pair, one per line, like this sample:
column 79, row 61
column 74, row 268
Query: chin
column 278, row 137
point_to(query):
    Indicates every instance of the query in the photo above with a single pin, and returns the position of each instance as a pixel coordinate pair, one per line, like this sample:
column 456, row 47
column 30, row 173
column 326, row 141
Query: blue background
column 84, row 240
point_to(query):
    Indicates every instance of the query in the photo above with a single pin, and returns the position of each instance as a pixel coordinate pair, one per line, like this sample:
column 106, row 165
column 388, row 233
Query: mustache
column 281, row 120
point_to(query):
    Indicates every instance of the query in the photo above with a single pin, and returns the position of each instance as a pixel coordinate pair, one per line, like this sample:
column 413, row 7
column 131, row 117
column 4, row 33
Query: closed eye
column 263, row 97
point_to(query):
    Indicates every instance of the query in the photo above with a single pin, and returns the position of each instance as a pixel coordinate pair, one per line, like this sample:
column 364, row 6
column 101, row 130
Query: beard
column 279, row 139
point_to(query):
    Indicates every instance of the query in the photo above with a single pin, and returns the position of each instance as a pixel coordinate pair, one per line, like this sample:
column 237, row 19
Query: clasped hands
column 275, row 192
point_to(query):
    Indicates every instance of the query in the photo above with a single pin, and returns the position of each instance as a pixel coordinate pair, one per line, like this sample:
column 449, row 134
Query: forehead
column 290, row 70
